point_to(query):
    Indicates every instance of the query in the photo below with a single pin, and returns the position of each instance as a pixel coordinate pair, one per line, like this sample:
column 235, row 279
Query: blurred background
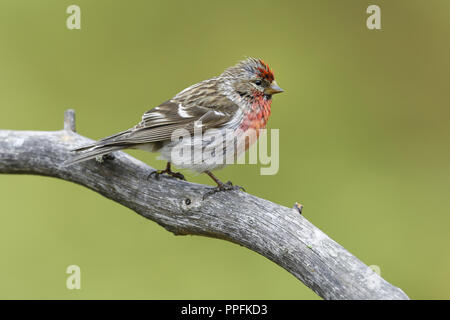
column 364, row 140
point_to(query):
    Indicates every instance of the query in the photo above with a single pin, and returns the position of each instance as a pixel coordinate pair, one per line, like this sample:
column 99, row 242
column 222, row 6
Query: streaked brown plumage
column 238, row 99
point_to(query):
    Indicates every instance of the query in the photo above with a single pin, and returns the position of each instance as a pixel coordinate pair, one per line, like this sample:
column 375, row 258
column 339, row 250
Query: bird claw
column 229, row 186
column 223, row 187
column 158, row 173
column 155, row 173
column 177, row 175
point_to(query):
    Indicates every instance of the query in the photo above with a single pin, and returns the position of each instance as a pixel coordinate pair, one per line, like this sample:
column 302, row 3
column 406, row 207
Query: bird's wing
column 199, row 107
column 200, row 102
column 159, row 123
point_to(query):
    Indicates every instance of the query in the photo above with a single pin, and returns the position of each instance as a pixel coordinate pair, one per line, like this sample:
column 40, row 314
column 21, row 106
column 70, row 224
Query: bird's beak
column 273, row 89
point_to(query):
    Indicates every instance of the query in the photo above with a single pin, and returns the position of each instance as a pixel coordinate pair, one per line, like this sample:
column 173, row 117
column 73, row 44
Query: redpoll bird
column 228, row 111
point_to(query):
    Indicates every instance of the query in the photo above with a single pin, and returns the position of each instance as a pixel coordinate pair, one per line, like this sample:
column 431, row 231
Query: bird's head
column 252, row 77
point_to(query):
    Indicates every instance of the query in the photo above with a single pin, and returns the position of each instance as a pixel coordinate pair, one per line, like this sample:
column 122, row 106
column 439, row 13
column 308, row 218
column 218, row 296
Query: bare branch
column 69, row 120
column 279, row 233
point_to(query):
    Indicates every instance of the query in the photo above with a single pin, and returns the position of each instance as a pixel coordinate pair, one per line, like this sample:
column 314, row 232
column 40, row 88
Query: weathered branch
column 279, row 233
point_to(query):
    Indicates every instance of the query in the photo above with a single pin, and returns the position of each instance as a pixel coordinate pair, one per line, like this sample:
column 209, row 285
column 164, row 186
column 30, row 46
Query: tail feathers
column 99, row 148
column 90, row 154
column 86, row 147
column 116, row 139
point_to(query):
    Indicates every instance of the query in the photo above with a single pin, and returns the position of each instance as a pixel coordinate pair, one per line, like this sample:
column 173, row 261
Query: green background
column 364, row 140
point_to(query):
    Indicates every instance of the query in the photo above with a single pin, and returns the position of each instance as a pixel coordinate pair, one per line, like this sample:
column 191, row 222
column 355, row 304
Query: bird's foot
column 223, row 187
column 157, row 173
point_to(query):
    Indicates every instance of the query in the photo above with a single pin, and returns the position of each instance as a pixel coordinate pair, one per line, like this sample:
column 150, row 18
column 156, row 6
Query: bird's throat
column 257, row 114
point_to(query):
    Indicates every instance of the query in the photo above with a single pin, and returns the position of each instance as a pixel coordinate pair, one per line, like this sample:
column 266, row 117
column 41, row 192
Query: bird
column 211, row 123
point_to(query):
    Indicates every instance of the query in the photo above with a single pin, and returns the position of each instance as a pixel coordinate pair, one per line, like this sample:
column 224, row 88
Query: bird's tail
column 99, row 148
column 90, row 154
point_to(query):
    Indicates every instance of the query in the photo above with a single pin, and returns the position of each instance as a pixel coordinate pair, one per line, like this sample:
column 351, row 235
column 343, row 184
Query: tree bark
column 279, row 233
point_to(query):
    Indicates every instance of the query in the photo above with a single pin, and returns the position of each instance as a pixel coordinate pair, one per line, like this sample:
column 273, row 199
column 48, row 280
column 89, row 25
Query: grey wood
column 278, row 233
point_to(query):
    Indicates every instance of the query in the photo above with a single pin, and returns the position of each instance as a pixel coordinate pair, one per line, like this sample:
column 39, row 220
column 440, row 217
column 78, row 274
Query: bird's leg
column 167, row 171
column 220, row 185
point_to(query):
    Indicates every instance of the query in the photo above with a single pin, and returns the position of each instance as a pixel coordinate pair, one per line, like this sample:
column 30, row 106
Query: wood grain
column 278, row 233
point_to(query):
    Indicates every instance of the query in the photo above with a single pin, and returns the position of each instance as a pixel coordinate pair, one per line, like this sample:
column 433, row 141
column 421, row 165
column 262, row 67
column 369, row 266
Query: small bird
column 231, row 105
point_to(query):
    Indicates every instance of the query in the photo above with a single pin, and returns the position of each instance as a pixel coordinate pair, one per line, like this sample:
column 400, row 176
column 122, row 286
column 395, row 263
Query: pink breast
column 256, row 118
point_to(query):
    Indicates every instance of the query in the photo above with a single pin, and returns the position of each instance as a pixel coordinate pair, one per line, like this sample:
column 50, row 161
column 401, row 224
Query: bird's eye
column 258, row 82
